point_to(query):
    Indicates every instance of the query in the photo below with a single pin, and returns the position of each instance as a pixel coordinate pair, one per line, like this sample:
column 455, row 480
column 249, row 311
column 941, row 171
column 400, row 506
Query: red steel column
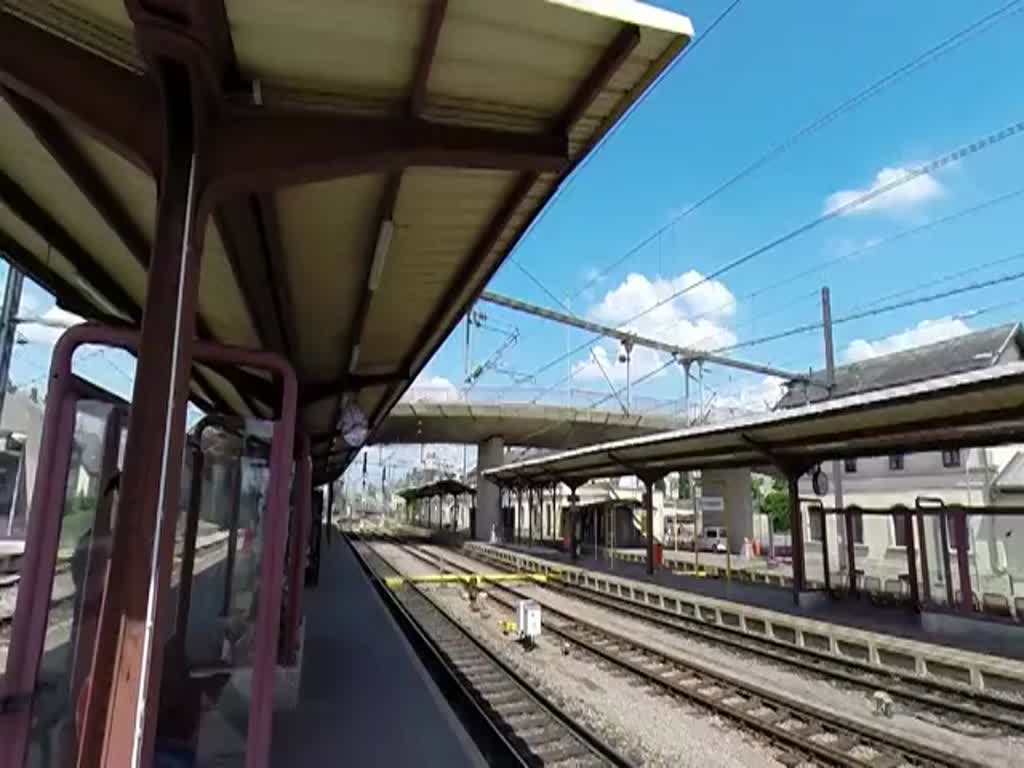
column 908, row 532
column 963, row 565
column 796, row 527
column 649, row 522
column 300, row 537
column 144, row 535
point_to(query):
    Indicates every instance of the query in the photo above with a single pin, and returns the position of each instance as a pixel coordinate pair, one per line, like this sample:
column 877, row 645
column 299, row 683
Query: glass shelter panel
column 79, row 582
column 206, row 699
column 996, row 563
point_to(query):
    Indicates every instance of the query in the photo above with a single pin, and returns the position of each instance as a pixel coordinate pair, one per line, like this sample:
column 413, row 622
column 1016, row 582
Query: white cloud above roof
column 902, row 199
column 925, row 332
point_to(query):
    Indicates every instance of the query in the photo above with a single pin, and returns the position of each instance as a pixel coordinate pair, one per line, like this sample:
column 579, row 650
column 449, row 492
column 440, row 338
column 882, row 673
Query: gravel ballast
column 649, row 728
column 995, row 750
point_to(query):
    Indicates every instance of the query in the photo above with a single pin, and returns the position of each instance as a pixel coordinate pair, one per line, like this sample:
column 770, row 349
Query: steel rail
column 936, row 695
column 785, row 721
column 533, row 730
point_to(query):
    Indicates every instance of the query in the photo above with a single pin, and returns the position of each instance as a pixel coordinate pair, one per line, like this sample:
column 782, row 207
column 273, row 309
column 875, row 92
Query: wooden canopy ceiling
column 368, row 166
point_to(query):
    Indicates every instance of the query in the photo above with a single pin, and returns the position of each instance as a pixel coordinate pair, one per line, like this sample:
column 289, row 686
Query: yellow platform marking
column 464, row 578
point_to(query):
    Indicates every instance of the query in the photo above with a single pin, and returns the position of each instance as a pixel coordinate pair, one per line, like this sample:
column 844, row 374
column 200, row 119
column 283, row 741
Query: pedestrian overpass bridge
column 520, row 424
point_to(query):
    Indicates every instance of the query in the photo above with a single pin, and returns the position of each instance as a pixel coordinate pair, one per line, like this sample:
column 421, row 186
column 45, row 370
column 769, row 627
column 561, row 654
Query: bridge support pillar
column 490, row 454
column 729, row 504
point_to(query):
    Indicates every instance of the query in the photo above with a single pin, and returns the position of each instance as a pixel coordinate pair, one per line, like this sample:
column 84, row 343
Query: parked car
column 713, row 539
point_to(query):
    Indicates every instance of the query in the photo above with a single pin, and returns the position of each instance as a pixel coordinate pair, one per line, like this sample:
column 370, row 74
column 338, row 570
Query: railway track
column 525, row 728
column 805, row 733
column 61, row 605
column 934, row 699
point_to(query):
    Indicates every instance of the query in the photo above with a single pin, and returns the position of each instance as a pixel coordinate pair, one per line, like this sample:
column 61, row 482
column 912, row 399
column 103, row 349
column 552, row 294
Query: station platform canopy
column 974, row 409
column 447, row 487
column 366, row 167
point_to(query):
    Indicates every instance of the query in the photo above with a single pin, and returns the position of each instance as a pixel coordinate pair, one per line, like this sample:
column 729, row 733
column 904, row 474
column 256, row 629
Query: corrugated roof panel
column 30, row 166
column 438, row 219
column 327, row 230
column 34, row 243
column 523, row 51
column 102, row 26
column 132, row 187
column 359, row 46
column 962, row 353
column 220, row 300
column 314, row 416
column 225, row 390
column 510, row 65
column 917, row 416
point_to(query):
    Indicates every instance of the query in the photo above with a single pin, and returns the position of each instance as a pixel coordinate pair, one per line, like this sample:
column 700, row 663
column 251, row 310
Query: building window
column 899, row 526
column 951, row 534
column 951, row 458
column 896, row 462
column 858, row 529
column 814, row 529
column 850, row 465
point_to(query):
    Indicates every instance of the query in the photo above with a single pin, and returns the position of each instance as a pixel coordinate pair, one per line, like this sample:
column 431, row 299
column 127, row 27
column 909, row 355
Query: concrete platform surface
column 364, row 699
column 985, row 657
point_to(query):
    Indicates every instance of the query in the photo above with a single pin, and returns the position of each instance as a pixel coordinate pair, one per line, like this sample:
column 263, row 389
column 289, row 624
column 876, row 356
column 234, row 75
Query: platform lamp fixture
column 380, row 252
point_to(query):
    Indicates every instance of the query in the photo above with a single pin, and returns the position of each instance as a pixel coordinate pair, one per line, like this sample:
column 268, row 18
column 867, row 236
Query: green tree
column 774, row 502
column 684, row 485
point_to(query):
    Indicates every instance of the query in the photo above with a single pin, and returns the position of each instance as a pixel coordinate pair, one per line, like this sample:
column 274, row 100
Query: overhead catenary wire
column 602, row 142
column 845, row 256
column 939, row 162
column 789, row 303
column 977, row 286
column 922, row 59
column 865, row 313
column 850, row 254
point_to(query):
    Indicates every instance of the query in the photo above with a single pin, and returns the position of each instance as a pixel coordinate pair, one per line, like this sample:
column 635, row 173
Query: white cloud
column 433, row 389
column 642, row 362
column 754, row 397
column 698, row 318
column 899, row 200
column 925, row 332
column 58, row 320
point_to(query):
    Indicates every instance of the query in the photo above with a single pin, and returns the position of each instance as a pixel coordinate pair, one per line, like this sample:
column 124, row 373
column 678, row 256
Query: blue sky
column 766, row 71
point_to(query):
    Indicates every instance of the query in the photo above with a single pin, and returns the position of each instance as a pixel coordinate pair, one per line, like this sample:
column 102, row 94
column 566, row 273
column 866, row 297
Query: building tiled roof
column 969, row 352
column 1012, row 476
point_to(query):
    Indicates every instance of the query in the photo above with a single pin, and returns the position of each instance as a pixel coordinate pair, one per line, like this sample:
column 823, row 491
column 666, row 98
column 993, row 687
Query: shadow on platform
column 364, row 698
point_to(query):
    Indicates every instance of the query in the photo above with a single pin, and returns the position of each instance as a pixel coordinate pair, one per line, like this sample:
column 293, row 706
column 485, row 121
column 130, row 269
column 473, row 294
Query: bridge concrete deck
column 523, row 424
column 854, row 630
column 364, row 697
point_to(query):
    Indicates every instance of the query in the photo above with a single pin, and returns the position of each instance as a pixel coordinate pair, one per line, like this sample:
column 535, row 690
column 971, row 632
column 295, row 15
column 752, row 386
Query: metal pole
column 572, row 520
column 686, row 391
column 568, row 356
column 16, row 495
column 8, row 325
column 700, row 412
column 529, row 511
column 837, row 466
column 465, row 446
column 629, row 357
column 649, row 523
column 796, row 525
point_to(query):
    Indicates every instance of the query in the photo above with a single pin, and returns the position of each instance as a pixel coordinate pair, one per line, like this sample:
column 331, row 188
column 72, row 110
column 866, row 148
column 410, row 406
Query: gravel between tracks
column 997, row 751
column 651, row 729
